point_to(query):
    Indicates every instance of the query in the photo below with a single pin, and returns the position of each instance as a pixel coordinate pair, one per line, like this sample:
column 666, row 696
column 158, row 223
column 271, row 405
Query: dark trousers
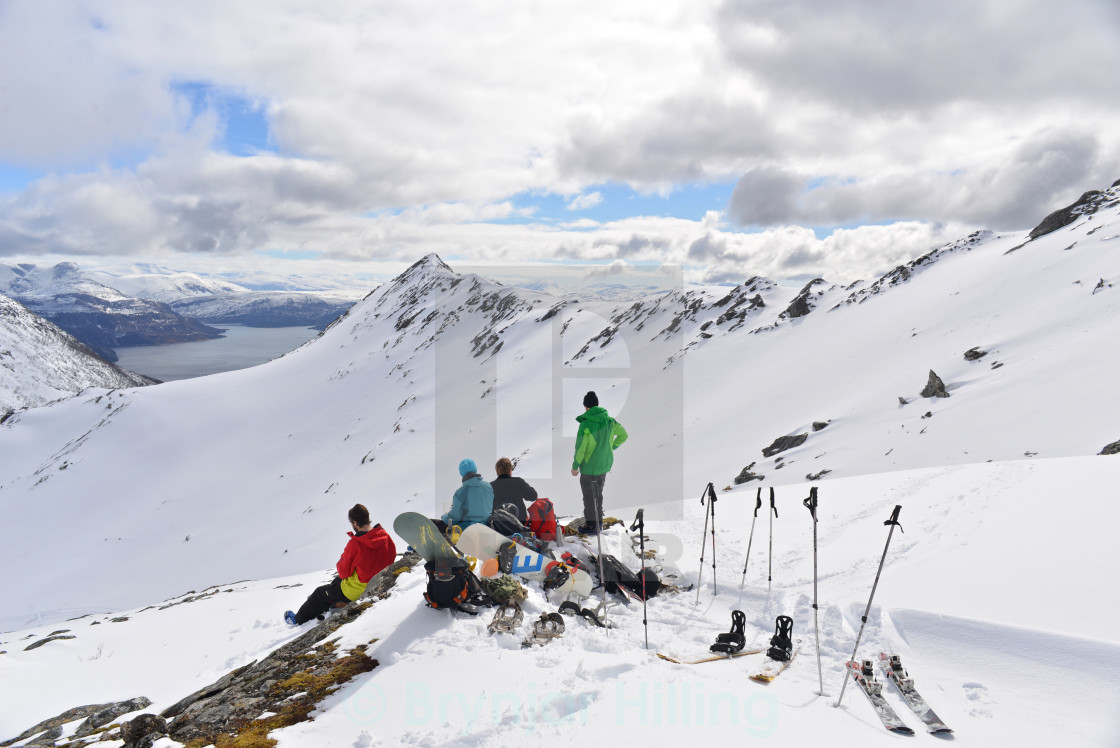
column 592, row 487
column 321, row 600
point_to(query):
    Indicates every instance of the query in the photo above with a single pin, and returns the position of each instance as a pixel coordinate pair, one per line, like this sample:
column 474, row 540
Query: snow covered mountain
column 101, row 317
column 39, row 363
column 247, row 475
column 148, row 305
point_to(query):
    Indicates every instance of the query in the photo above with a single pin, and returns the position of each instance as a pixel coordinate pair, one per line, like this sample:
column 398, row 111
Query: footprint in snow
column 980, row 698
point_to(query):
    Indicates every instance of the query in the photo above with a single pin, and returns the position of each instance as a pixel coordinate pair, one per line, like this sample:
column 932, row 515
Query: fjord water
column 241, row 348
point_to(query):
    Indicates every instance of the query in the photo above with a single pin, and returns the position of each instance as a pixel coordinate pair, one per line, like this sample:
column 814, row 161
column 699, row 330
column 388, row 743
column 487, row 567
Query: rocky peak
column 1087, row 204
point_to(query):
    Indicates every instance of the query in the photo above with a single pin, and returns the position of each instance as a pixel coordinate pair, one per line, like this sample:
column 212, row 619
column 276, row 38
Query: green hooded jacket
column 598, row 437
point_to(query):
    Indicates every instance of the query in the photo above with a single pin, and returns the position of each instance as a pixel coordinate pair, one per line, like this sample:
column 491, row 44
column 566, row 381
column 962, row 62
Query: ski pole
column 770, row 566
column 811, row 505
column 757, row 506
column 712, row 508
column 893, row 522
column 703, row 541
column 640, row 525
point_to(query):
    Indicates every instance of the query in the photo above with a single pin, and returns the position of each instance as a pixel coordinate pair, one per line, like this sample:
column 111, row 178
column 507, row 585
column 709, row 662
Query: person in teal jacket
column 474, row 500
column 598, row 437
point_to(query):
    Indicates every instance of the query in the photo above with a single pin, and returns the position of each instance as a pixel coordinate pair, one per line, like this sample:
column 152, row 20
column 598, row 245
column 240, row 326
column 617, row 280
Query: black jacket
column 515, row 492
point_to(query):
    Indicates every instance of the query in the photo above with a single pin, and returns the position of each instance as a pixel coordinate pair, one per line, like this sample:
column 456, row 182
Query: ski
column 710, row 658
column 891, row 666
column 864, row 676
column 772, row 668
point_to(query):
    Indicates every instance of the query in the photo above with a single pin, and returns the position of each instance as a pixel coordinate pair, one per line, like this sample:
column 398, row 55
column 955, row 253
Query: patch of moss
column 313, row 685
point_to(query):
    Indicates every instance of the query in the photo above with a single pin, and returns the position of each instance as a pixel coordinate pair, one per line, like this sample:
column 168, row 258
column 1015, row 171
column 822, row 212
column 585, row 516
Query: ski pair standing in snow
column 369, row 550
column 598, row 437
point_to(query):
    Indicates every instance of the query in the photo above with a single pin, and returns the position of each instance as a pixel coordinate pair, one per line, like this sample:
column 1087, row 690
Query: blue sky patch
column 618, row 201
column 244, row 121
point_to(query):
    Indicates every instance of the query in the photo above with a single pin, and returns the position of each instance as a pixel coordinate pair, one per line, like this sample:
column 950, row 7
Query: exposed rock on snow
column 934, row 387
column 1111, row 449
column 974, row 354
column 1086, row 205
column 236, row 701
column 143, row 731
column 818, row 425
column 746, row 475
column 782, row 443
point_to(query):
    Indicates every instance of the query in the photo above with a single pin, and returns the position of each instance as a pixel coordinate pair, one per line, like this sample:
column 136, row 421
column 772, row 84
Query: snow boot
column 290, row 618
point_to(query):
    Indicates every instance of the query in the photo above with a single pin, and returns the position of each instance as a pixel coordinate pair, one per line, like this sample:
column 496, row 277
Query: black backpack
column 506, row 522
column 618, row 578
column 452, row 585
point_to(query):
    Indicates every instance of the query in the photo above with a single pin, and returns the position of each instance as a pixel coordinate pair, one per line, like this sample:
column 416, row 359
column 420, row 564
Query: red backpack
column 542, row 519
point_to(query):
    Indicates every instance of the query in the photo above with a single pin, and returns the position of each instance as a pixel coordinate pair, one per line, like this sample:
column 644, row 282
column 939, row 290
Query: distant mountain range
column 40, row 363
column 149, row 305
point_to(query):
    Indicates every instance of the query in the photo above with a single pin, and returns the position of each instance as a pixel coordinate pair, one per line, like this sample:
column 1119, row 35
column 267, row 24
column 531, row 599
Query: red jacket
column 366, row 554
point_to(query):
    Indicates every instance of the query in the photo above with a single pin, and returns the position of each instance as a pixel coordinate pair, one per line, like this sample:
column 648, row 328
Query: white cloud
column 400, row 126
column 583, row 202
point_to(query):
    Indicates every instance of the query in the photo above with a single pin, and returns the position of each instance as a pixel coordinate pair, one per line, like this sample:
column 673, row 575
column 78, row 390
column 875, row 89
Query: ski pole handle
column 758, row 501
column 772, row 503
column 894, row 518
column 811, row 502
column 708, row 491
column 639, row 521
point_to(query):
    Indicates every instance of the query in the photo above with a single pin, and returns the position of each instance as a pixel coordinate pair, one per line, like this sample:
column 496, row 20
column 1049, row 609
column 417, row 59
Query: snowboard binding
column 507, row 618
column 557, row 577
column 548, row 627
column 735, row 639
column 781, row 643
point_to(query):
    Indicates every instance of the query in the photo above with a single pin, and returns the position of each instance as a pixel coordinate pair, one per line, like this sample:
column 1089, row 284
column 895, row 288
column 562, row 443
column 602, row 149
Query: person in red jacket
column 369, row 551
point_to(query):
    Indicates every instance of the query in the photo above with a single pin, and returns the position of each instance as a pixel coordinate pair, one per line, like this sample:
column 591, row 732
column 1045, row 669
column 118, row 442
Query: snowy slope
column 967, row 638
column 247, row 475
column 40, row 363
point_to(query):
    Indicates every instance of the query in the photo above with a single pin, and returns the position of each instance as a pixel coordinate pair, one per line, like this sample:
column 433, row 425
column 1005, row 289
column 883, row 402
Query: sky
column 790, row 139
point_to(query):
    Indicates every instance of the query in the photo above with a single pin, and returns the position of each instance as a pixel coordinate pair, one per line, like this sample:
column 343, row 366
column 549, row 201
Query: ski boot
column 781, row 643
column 734, row 640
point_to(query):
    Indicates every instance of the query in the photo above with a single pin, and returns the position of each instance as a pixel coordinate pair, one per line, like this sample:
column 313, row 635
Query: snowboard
column 484, row 543
column 771, row 668
column 425, row 538
column 710, row 657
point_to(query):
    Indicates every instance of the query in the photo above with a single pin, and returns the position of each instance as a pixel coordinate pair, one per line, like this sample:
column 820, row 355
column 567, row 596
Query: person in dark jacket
column 598, row 437
column 369, row 550
column 510, row 492
column 473, row 501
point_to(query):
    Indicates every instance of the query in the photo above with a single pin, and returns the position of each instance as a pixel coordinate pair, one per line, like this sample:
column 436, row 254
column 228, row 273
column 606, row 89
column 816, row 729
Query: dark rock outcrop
column 818, row 425
column 143, row 731
column 746, row 475
column 1087, row 204
column 934, row 387
column 974, row 354
column 1111, row 449
column 782, row 443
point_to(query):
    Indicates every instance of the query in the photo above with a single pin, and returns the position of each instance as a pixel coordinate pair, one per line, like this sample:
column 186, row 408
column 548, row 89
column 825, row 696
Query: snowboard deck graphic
column 484, row 543
column 422, row 534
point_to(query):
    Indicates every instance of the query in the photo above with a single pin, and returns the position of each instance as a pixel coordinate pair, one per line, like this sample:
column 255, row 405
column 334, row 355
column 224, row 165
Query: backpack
column 450, row 586
column 619, row 579
column 505, row 522
column 542, row 519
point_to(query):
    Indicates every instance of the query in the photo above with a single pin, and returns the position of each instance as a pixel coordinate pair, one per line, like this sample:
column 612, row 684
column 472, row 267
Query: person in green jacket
column 598, row 437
